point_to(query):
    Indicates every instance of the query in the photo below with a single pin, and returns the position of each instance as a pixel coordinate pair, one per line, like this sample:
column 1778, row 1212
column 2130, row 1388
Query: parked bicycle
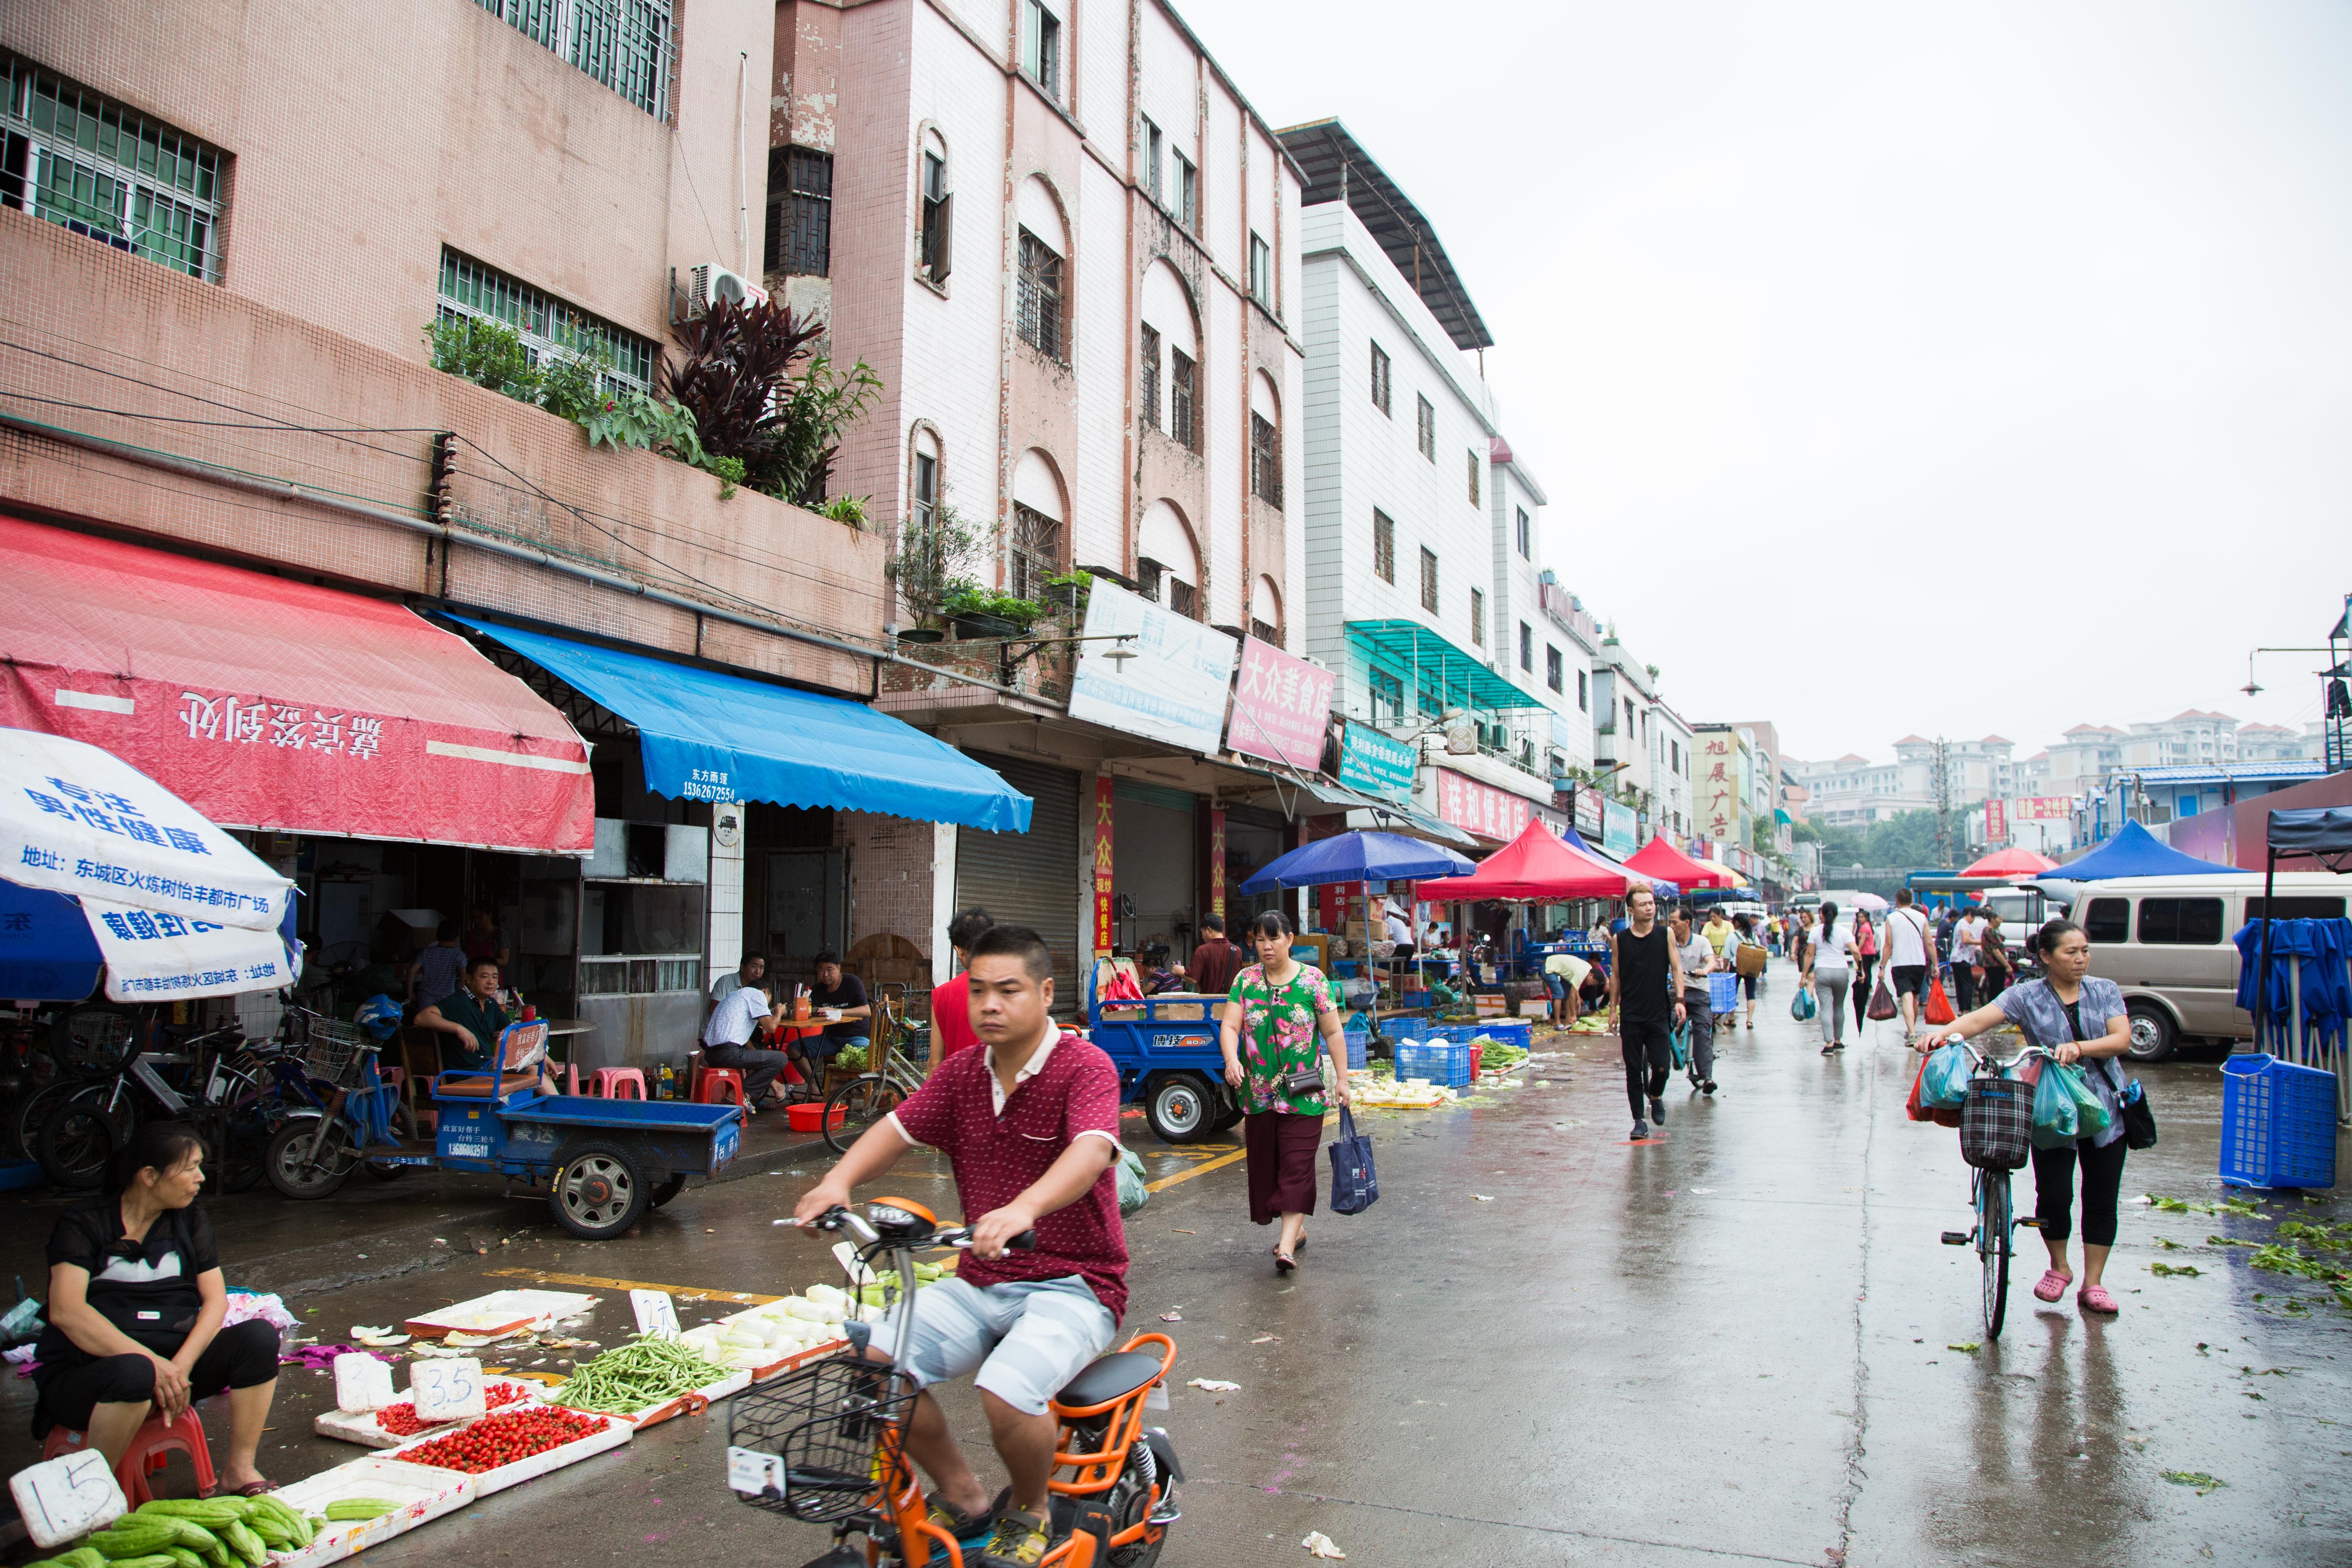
column 869, row 1098
column 825, row 1443
column 337, row 1106
column 1994, row 1133
column 82, row 1129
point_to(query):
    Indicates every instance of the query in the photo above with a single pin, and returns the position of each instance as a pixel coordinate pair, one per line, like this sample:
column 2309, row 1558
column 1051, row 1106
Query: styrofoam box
column 423, row 1491
column 727, row 1387
column 615, row 1433
column 500, row 1312
column 362, row 1427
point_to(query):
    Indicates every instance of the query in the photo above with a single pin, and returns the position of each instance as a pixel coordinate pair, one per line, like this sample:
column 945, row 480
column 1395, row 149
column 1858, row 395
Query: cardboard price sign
column 657, row 1313
column 446, row 1390
column 68, row 1496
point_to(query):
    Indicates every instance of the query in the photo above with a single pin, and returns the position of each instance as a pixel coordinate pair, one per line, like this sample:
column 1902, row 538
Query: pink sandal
column 2052, row 1286
column 2094, row 1299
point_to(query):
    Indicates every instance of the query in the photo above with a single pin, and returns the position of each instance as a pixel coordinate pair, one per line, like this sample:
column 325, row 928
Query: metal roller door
column 1030, row 879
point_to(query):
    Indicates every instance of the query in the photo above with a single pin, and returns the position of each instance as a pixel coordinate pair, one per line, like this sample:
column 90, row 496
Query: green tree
column 1903, row 842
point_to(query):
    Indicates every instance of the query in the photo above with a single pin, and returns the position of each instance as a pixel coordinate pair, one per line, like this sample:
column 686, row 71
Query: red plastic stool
column 606, row 1083
column 711, row 1083
column 151, row 1449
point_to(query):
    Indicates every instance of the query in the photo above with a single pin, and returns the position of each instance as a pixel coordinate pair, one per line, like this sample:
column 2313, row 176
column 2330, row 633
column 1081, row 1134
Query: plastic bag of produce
column 2055, row 1123
column 2091, row 1115
column 1944, row 1082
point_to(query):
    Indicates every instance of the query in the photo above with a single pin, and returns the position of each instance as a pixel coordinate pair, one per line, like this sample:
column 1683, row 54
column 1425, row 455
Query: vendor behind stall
column 474, row 1018
column 836, row 988
column 136, row 1302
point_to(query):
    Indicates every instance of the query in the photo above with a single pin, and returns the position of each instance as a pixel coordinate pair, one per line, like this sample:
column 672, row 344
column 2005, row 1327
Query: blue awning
column 712, row 736
column 1427, row 662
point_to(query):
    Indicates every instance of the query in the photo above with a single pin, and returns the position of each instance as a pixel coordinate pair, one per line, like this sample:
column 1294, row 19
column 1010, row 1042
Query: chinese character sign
column 1372, row 763
column 1996, row 820
column 1483, row 809
column 1281, row 707
column 2041, row 808
column 1106, row 788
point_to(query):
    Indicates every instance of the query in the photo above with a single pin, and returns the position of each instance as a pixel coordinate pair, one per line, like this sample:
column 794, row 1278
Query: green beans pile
column 637, row 1377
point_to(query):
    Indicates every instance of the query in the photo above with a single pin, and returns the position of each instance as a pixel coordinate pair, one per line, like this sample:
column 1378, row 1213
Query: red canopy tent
column 1534, row 866
column 2018, row 862
column 1661, row 860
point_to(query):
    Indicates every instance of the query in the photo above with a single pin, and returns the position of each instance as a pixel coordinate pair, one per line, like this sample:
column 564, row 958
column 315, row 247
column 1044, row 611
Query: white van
column 2166, row 942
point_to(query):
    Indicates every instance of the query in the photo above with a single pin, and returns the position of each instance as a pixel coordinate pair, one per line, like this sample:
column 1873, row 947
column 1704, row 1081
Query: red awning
column 1536, row 866
column 1661, row 859
column 271, row 704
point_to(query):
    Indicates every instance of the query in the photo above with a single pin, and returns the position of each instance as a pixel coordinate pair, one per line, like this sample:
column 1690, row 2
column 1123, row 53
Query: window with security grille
column 89, row 164
column 934, row 247
column 1527, row 646
column 1554, row 675
column 1428, row 431
column 1478, row 618
column 1387, row 692
column 546, row 324
column 1265, row 631
column 1429, row 580
column 1150, row 388
column 1383, row 547
column 1183, row 598
column 1380, row 379
column 1183, row 380
column 1036, row 553
column 1039, row 298
column 630, row 46
column 1473, row 478
column 1265, row 460
column 800, row 212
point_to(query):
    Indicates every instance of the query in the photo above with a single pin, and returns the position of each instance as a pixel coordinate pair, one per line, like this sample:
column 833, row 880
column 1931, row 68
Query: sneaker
column 1657, row 1111
column 1641, row 1130
column 1707, row 1088
column 1827, row 1048
column 1017, row 1542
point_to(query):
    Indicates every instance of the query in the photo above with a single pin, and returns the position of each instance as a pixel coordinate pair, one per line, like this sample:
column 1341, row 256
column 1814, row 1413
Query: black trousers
column 2053, row 1190
column 1649, row 1059
column 243, row 1356
column 759, row 1069
column 1964, row 987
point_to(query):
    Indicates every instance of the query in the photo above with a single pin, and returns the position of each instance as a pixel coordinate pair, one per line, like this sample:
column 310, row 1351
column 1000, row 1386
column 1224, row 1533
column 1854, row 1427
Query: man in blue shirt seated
column 473, row 1019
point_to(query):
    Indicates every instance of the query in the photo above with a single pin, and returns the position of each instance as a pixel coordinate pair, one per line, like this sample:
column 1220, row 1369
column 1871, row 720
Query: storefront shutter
column 1030, row 879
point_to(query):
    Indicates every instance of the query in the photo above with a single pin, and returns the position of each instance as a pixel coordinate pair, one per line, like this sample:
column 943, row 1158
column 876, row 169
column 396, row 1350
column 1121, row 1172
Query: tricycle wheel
column 598, row 1193
column 669, row 1189
column 310, row 1157
column 1179, row 1108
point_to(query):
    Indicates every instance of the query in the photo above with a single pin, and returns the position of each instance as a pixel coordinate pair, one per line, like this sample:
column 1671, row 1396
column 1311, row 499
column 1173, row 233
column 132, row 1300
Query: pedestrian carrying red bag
column 1881, row 999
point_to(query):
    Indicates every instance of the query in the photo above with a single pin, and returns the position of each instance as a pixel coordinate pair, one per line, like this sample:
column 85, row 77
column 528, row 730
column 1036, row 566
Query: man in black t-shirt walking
column 1645, row 988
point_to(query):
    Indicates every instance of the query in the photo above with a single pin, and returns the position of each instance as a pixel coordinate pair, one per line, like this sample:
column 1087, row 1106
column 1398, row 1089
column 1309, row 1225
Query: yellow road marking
column 544, row 1277
column 1201, row 1169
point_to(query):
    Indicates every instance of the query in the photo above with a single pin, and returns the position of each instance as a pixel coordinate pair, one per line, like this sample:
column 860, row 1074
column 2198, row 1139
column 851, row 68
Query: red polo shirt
column 952, row 1015
column 997, row 1157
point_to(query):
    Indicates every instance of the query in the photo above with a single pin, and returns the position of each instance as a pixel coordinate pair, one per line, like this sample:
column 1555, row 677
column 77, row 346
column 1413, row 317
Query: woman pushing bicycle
column 2076, row 1016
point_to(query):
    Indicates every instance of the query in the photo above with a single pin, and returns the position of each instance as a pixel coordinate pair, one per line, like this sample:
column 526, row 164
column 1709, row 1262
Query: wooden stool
column 151, row 1449
column 712, row 1084
column 606, row 1083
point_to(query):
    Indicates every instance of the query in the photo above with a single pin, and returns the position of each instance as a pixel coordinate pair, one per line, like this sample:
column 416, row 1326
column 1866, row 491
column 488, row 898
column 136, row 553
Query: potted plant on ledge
column 984, row 615
column 929, row 565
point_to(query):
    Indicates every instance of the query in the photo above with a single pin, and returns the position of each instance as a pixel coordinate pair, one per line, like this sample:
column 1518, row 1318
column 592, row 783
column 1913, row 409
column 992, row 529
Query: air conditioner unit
column 709, row 283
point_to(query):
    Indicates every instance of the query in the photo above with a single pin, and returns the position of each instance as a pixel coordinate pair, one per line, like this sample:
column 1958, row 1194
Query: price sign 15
column 68, row 1496
column 446, row 1390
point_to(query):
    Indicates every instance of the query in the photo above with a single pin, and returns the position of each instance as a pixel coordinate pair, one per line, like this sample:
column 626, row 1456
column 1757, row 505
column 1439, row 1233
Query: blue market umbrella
column 1359, row 858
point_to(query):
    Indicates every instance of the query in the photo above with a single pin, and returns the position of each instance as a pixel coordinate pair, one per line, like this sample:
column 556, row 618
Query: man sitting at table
column 837, row 988
column 726, row 1042
column 474, row 1016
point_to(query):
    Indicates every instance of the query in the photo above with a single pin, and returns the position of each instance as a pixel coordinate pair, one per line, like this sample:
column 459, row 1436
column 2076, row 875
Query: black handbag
column 1354, row 1186
column 2139, row 1116
column 1304, row 1082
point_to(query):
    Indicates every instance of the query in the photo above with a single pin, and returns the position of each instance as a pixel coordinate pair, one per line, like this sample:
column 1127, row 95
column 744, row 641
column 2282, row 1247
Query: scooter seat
column 1115, row 1376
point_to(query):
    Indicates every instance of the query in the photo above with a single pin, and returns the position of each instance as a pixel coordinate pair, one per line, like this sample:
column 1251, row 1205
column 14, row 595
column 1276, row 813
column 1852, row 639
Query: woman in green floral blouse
column 1276, row 1014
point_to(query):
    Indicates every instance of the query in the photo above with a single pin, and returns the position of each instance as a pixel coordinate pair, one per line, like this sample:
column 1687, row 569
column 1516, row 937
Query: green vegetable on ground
column 637, row 1377
column 2197, row 1479
column 361, row 1508
column 245, row 1544
column 2168, row 1272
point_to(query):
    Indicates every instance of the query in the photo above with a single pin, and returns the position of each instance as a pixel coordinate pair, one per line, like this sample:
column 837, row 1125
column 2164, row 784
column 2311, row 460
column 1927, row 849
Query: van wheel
column 2153, row 1036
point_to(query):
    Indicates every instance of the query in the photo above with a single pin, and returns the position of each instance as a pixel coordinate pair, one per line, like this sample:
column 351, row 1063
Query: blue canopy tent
column 2134, row 852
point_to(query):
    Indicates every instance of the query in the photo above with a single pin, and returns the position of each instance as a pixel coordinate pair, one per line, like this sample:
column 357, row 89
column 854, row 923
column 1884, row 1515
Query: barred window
column 1183, row 598
column 800, row 212
column 91, row 165
column 1478, row 618
column 1554, row 676
column 1383, row 547
column 1036, row 553
column 1040, row 297
column 1265, row 460
column 1380, row 379
column 545, row 323
column 627, row 45
column 1429, row 580
column 1474, row 465
column 1182, row 377
column 1265, row 631
column 1151, row 379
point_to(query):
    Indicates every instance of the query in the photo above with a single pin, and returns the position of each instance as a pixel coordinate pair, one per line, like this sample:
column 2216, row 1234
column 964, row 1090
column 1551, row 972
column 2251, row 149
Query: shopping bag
column 1134, row 1191
column 1938, row 1010
column 1944, row 1079
column 1881, row 999
column 1801, row 1006
column 2092, row 1116
column 1912, row 1106
column 2055, row 1124
column 1354, row 1187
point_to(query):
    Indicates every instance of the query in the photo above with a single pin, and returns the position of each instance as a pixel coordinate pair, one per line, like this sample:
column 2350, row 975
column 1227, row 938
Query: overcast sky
column 1835, row 327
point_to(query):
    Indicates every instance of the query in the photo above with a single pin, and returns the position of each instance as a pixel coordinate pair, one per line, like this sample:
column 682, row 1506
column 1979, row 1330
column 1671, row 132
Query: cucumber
column 245, row 1544
column 133, row 1538
column 184, row 1557
column 150, row 1560
column 361, row 1508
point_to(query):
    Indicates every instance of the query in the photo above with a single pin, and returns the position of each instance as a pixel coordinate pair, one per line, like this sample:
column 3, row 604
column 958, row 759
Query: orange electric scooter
column 825, row 1443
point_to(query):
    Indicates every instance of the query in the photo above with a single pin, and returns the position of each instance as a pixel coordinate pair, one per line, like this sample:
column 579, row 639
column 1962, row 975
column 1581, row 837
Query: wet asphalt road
column 1732, row 1344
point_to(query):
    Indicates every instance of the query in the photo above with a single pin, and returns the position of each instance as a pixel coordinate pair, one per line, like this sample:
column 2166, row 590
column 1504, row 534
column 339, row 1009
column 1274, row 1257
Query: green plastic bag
column 2092, row 1117
column 1801, row 1006
column 1134, row 1191
column 2055, row 1123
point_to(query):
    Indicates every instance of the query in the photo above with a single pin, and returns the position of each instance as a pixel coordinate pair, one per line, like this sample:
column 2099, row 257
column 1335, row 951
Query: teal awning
column 1427, row 662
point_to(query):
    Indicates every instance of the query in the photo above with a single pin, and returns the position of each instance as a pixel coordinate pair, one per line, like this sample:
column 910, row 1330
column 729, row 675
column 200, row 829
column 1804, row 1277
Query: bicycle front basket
column 815, row 1444
column 330, row 1053
column 1996, row 1122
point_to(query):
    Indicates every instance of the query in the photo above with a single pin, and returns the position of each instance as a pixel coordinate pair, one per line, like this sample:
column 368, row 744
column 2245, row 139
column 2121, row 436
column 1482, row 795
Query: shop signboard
column 1106, row 788
column 1281, row 706
column 1718, row 785
column 1172, row 690
column 1588, row 812
column 1481, row 809
column 1620, row 831
column 1996, row 820
column 1375, row 765
column 2041, row 808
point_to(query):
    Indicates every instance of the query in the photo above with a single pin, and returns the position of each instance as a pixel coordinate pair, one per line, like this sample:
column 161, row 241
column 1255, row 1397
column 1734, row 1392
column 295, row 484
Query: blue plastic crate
column 2278, row 1124
column 1359, row 1042
column 1517, row 1032
column 1441, row 1062
column 1723, row 992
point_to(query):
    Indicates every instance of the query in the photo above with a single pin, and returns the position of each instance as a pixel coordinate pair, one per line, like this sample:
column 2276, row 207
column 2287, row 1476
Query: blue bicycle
column 338, row 1108
column 1997, row 1220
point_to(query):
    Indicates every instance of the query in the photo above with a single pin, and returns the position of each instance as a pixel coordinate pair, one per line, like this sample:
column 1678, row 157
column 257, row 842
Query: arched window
column 935, row 228
column 1266, row 612
column 1266, row 440
column 925, row 482
column 1043, row 291
column 1033, row 550
column 1170, row 357
column 1168, row 561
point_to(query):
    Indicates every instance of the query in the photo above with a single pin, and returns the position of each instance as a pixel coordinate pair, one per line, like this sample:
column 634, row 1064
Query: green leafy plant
column 970, row 599
column 1072, row 588
column 488, row 354
column 730, row 474
column 850, row 509
column 627, row 418
column 573, row 384
column 759, row 390
column 933, row 560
